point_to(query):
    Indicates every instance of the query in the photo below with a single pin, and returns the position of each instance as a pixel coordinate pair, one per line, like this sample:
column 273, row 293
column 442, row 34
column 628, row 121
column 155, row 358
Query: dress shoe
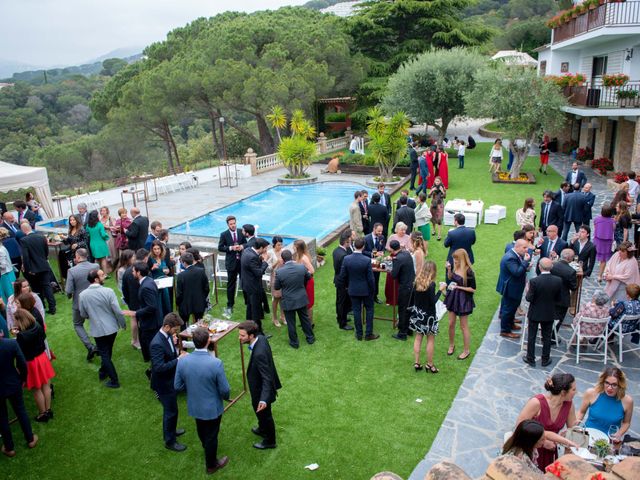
column 546, row 363
column 528, row 361
column 346, row 327
column 373, row 336
column 49, row 413
column 312, row 341
column 516, row 327
column 51, row 312
column 180, row 431
column 509, row 335
column 221, row 464
column 397, row 336
column 8, row 453
column 112, row 384
column 264, row 446
column 359, row 338
column 377, row 300
column 42, row 418
column 267, row 336
column 256, row 431
column 34, row 442
column 176, row 447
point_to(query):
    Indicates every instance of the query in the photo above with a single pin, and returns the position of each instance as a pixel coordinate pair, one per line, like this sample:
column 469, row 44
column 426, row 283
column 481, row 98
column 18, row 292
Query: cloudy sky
column 69, row 32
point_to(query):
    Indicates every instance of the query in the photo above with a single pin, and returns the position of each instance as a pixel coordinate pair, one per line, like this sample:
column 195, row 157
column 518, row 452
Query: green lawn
column 348, row 406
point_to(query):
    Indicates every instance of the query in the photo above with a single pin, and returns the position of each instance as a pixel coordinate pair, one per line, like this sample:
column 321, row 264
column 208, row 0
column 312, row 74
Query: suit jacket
column 262, row 376
column 403, row 270
column 590, row 199
column 370, row 244
column 192, row 290
column 569, row 279
column 11, row 243
column 35, row 253
column 149, row 313
column 339, row 255
column 406, row 215
column 28, row 215
column 557, row 247
column 575, row 204
column 77, row 281
column 130, row 289
column 587, row 256
column 252, row 268
column 231, row 258
column 559, row 197
column 164, row 361
column 84, row 217
column 411, row 203
column 13, row 367
column 460, row 237
column 357, row 275
column 137, row 232
column 554, row 218
column 379, row 214
column 543, row 295
column 291, row 278
column 387, row 202
column 147, row 243
column 582, row 178
column 100, row 305
column 355, row 218
column 202, row 376
column 513, row 276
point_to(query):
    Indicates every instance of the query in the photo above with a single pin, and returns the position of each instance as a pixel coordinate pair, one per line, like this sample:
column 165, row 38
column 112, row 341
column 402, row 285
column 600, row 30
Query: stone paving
column 498, row 383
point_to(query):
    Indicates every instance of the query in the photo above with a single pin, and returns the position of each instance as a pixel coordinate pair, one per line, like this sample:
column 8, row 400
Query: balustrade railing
column 272, row 161
column 596, row 95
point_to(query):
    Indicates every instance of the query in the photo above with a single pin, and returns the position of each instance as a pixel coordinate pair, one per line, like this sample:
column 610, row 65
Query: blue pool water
column 313, row 210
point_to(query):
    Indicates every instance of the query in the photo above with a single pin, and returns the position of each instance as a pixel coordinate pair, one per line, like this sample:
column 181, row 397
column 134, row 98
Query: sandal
column 463, row 356
column 276, row 323
column 417, row 366
column 430, row 368
column 451, row 350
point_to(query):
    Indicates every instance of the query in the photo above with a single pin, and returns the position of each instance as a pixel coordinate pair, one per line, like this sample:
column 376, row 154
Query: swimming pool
column 313, row 210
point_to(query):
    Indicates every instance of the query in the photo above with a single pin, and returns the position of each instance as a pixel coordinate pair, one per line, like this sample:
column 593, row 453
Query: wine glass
column 613, row 436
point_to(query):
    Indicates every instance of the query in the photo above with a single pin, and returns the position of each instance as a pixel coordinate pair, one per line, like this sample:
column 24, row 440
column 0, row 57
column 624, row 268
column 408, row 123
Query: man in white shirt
column 461, row 150
column 633, row 186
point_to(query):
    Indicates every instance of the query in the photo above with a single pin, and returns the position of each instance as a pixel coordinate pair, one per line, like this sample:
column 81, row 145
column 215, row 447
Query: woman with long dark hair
column 302, row 256
column 159, row 269
column 524, row 442
column 98, row 238
column 76, row 238
column 459, row 300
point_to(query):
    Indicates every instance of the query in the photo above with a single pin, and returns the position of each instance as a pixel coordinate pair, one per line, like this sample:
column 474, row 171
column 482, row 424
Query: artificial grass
column 348, row 406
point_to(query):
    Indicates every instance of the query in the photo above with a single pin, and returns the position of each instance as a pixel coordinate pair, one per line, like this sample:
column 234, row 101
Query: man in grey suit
column 76, row 283
column 202, row 376
column 291, row 278
column 100, row 305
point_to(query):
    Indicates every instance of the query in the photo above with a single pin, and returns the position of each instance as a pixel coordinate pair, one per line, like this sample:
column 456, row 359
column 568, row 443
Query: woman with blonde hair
column 109, row 224
column 418, row 250
column 423, row 319
column 459, row 299
column 274, row 260
column 302, row 256
column 122, row 223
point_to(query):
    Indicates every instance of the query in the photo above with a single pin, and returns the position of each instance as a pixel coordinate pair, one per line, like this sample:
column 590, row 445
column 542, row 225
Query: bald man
column 513, row 275
column 138, row 230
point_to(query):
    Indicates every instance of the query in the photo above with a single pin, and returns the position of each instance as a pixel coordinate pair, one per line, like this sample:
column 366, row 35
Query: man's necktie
column 551, row 244
column 383, row 200
column 546, row 214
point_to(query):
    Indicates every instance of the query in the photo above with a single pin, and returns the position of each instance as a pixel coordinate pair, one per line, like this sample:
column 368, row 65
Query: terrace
column 597, row 95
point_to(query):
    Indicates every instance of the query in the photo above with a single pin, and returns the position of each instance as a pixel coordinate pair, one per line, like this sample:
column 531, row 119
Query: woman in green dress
column 98, row 239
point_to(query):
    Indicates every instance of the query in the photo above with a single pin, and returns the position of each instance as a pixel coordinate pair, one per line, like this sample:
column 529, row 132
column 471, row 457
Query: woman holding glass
column 159, row 269
column 76, row 238
column 275, row 261
column 459, row 299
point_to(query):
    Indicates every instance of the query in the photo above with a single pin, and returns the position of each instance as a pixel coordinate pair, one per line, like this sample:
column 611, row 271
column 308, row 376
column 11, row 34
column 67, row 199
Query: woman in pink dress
column 302, row 256
column 603, row 229
column 122, row 223
column 391, row 286
column 554, row 410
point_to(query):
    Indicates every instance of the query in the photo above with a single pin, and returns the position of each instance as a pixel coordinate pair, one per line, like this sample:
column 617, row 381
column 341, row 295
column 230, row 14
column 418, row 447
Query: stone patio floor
column 499, row 383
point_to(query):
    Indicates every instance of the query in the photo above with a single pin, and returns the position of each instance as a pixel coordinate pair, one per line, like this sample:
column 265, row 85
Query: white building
column 602, row 40
column 343, row 9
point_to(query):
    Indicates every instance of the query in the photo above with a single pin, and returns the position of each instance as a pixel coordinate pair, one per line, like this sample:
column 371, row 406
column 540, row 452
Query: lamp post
column 224, row 148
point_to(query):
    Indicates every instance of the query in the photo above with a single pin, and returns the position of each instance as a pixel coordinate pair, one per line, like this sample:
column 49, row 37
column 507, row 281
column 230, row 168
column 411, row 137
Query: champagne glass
column 613, row 436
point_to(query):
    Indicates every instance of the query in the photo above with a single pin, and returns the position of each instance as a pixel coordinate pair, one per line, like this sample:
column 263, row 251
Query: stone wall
column 635, row 155
column 603, row 138
column 624, row 145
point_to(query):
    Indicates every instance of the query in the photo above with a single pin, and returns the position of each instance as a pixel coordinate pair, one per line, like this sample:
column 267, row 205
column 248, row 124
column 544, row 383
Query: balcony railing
column 596, row 95
column 607, row 14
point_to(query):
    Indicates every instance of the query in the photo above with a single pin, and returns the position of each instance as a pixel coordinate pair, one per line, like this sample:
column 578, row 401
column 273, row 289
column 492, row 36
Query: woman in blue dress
column 608, row 404
column 159, row 269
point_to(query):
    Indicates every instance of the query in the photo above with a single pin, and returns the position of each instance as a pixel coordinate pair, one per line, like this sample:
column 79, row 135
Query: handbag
column 578, row 435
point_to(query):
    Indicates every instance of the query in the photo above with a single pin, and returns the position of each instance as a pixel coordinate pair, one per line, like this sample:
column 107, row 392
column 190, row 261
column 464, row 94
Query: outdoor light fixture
column 629, row 52
column 221, row 120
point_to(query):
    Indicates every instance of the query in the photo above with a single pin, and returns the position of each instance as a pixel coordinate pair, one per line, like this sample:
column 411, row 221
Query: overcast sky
column 69, row 32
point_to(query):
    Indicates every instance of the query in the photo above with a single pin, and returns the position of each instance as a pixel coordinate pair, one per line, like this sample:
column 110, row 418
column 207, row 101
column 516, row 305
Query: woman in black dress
column 77, row 238
column 459, row 299
column 423, row 319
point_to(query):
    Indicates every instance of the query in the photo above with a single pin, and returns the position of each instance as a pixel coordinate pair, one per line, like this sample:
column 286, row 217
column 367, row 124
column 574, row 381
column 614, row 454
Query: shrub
column 603, row 165
column 584, row 154
column 620, row 177
column 336, row 117
column 352, row 158
column 627, row 93
column 569, row 146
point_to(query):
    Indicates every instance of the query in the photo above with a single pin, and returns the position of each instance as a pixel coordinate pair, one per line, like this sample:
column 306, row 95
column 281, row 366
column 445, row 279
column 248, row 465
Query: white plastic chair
column 617, row 332
column 471, row 220
column 579, row 334
column 501, row 209
column 491, row 216
column 448, row 217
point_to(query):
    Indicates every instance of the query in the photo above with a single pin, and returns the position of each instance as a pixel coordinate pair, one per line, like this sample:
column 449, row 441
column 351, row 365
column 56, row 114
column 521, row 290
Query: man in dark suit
column 3, row 208
column 138, row 230
column 552, row 244
column 543, row 295
column 263, row 380
column 164, row 360
column 404, row 214
column 14, row 374
column 154, row 234
column 576, row 178
column 569, row 278
column 575, row 205
column 202, row 376
column 343, row 302
column 84, row 213
column 411, row 203
column 131, row 286
column 550, row 213
column 590, row 199
column 12, row 242
column 291, row 278
column 192, row 290
column 149, row 312
column 364, row 212
column 375, row 242
column 378, row 213
column 357, row 275
column 231, row 243
column 511, row 283
column 560, row 196
column 460, row 237
column 585, row 249
column 249, row 232
column 385, row 198
column 252, row 267
column 24, row 213
column 413, row 164
column 35, row 263
column 404, row 273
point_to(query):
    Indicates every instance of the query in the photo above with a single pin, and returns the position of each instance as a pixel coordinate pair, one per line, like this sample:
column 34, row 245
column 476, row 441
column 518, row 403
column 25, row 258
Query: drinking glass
column 613, row 436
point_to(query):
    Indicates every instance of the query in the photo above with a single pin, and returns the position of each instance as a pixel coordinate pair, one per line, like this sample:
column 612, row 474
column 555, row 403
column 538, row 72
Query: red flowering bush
column 584, row 154
column 615, row 80
column 603, row 165
column 620, row 177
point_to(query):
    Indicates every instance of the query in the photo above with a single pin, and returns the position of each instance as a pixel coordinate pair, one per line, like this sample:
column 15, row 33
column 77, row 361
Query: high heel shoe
column 276, row 323
column 417, row 366
column 49, row 414
column 42, row 418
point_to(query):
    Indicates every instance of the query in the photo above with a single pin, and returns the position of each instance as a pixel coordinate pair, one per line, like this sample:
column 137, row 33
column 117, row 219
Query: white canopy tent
column 15, row 177
column 514, row 57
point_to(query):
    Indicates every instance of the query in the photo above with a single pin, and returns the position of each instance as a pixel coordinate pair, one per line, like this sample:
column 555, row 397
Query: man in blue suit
column 575, row 205
column 357, row 275
column 576, row 178
column 590, row 199
column 550, row 212
column 375, row 241
column 513, row 276
column 202, row 376
column 460, row 237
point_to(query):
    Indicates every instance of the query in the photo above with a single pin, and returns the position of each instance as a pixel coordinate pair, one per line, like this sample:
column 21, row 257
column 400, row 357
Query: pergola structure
column 328, row 106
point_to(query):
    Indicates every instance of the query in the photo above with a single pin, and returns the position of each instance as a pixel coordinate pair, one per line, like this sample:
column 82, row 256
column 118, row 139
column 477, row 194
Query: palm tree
column 278, row 120
column 388, row 140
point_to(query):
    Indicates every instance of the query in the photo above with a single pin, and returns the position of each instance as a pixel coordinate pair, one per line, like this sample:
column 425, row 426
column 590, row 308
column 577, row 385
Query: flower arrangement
column 602, row 448
column 602, row 165
column 579, row 9
column 620, row 177
column 556, row 469
column 584, row 154
column 615, row 80
column 505, row 177
column 567, row 80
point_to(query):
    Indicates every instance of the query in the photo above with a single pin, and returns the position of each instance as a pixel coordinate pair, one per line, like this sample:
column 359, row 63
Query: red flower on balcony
column 615, row 80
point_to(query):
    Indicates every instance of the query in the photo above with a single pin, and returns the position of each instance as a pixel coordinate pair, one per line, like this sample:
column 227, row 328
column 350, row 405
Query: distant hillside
column 53, row 75
column 8, row 67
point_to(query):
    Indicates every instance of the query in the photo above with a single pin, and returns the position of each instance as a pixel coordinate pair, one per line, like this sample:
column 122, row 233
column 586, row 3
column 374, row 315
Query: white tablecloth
column 467, row 207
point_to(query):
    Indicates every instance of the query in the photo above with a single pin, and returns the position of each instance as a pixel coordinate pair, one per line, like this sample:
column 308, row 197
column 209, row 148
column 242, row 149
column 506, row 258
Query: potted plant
column 628, row 98
column 321, row 252
column 615, row 80
column 601, row 448
column 297, row 150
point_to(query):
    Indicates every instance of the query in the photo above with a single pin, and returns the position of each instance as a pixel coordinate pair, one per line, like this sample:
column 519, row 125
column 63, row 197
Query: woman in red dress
column 302, row 256
column 430, row 166
column 553, row 410
column 443, row 167
column 31, row 338
column 544, row 154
